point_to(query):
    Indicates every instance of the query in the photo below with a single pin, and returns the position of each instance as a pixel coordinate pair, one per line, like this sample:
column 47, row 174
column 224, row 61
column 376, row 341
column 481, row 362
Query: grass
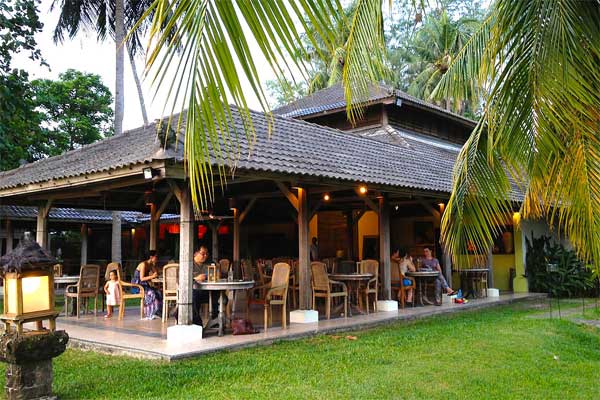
column 492, row 354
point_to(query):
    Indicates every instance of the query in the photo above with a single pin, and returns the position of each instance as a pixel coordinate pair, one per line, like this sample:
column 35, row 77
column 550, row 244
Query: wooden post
column 84, row 243
column 186, row 257
column 303, row 250
column 236, row 236
column 214, row 228
column 490, row 265
column 116, row 237
column 448, row 266
column 350, row 234
column 153, row 226
column 384, row 247
column 9, row 235
column 41, row 232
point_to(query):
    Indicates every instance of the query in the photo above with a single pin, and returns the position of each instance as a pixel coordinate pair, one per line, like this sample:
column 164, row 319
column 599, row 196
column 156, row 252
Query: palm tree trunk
column 119, row 67
column 138, row 85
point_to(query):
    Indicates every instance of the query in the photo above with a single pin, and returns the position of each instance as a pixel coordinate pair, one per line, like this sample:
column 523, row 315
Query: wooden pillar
column 303, row 250
column 153, row 226
column 236, row 236
column 186, row 257
column 9, row 235
column 350, row 235
column 490, row 265
column 384, row 247
column 214, row 227
column 448, row 266
column 41, row 232
column 84, row 244
column 116, row 237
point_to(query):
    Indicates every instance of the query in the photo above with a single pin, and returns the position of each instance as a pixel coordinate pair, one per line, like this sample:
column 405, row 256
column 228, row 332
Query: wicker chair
column 224, row 266
column 126, row 291
column 322, row 286
column 398, row 283
column 170, row 279
column 370, row 267
column 277, row 294
column 86, row 288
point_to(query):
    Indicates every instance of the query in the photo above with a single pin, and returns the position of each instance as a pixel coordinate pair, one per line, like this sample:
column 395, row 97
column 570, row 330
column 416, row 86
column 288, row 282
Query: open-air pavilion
column 280, row 180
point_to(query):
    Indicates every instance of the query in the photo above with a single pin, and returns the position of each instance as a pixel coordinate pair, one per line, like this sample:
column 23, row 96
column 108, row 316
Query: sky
column 86, row 54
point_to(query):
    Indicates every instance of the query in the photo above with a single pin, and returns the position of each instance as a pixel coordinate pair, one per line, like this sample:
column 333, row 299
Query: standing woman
column 143, row 275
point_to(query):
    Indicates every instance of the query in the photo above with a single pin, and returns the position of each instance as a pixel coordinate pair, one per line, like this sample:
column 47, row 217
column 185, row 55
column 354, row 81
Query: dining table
column 469, row 278
column 421, row 279
column 353, row 282
column 223, row 286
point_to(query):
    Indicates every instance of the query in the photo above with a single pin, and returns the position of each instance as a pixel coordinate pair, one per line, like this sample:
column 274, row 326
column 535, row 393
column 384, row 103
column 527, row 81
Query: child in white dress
column 111, row 288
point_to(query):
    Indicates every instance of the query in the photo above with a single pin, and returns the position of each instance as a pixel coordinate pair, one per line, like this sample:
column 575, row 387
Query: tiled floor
column 141, row 338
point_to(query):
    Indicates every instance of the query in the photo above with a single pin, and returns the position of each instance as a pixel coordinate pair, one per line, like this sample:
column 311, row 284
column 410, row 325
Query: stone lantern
column 28, row 287
column 29, row 297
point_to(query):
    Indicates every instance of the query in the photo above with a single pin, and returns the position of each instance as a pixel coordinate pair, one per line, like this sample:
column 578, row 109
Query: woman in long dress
column 143, row 275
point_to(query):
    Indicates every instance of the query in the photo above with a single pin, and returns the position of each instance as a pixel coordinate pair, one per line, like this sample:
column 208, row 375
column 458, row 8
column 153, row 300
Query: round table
column 223, row 286
column 469, row 278
column 353, row 281
column 420, row 278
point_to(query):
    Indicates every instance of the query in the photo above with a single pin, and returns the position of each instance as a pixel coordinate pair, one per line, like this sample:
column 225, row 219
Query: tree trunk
column 119, row 67
column 138, row 85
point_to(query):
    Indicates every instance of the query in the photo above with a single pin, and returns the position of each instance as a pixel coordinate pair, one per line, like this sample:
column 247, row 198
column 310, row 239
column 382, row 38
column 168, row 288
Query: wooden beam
column 370, row 203
column 236, row 235
column 303, row 251
column 9, row 235
column 84, row 179
column 247, row 209
column 435, row 213
column 314, row 209
column 186, row 258
column 163, row 205
column 290, row 196
column 177, row 191
column 153, row 227
column 384, row 247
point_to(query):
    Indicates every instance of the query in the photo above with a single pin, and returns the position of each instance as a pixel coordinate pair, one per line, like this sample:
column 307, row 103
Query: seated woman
column 143, row 275
column 430, row 263
column 405, row 262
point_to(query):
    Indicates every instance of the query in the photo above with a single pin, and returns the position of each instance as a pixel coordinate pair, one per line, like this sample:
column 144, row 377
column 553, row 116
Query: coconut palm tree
column 434, row 47
column 201, row 57
column 112, row 18
column 540, row 125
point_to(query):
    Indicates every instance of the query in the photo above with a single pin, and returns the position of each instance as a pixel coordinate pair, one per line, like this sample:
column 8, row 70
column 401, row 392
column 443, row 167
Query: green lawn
column 492, row 354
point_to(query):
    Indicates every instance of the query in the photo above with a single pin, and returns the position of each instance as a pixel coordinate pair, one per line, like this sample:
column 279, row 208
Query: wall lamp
column 150, row 173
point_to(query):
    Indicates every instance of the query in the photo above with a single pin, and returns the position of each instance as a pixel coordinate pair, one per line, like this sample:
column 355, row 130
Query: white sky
column 85, row 53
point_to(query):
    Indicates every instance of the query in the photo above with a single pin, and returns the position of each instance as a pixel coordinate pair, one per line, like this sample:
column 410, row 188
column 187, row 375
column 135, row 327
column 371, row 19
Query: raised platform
column 148, row 339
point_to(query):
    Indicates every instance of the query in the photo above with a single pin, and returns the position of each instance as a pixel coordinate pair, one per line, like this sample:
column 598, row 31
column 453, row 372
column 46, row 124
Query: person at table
column 199, row 296
column 405, row 262
column 430, row 263
column 143, row 275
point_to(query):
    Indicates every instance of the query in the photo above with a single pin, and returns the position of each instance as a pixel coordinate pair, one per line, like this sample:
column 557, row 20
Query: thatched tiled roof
column 26, row 257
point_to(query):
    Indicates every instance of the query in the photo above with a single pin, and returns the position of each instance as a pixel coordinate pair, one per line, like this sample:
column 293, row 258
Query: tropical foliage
column 75, row 109
column 200, row 53
column 539, row 62
column 551, row 268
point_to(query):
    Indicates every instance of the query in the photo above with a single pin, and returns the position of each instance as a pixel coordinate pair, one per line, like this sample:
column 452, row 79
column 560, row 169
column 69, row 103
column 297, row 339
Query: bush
column 567, row 276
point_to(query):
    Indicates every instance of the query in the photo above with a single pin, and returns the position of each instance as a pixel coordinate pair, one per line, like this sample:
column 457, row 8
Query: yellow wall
column 368, row 225
column 313, row 227
column 502, row 263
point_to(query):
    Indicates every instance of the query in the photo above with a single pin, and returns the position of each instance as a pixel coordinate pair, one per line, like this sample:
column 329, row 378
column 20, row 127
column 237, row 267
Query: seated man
column 429, row 263
column 199, row 297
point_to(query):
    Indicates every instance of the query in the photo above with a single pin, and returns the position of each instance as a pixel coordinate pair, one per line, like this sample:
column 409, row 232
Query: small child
column 111, row 288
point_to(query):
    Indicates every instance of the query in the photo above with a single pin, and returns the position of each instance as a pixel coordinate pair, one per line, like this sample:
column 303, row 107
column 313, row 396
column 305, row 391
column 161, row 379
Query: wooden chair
column 86, row 288
column 370, row 267
column 58, row 269
column 170, row 279
column 126, row 291
column 277, row 293
column 398, row 283
column 322, row 286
